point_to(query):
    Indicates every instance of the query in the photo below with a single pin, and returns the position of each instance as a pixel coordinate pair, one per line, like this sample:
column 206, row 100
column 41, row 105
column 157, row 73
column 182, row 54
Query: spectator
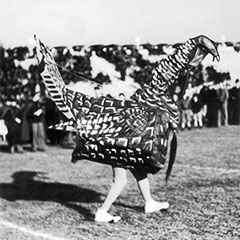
column 26, row 127
column 222, row 94
column 203, row 96
column 3, row 127
column 122, row 98
column 52, row 117
column 36, row 118
column 212, row 107
column 12, row 117
column 234, row 104
column 197, row 110
column 186, row 113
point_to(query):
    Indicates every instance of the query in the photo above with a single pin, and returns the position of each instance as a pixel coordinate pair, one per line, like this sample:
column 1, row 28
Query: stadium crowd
column 206, row 97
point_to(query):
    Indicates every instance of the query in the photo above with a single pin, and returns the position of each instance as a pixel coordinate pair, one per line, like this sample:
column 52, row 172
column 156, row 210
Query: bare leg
column 145, row 189
column 150, row 204
column 119, row 182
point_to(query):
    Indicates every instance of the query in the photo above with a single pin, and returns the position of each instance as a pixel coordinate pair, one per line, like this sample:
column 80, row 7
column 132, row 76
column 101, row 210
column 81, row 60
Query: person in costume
column 133, row 135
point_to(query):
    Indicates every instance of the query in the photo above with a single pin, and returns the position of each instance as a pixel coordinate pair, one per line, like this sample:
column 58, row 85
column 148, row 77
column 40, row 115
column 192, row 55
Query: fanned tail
column 64, row 126
column 52, row 78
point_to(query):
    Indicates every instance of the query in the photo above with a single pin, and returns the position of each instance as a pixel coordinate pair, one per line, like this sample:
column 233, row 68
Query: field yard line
column 209, row 168
column 29, row 231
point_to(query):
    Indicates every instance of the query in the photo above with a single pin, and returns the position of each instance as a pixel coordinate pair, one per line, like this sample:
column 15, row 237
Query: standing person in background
column 3, row 127
column 122, row 98
column 212, row 107
column 203, row 96
column 26, row 127
column 197, row 110
column 234, row 104
column 12, row 117
column 52, row 116
column 186, row 112
column 36, row 118
column 222, row 93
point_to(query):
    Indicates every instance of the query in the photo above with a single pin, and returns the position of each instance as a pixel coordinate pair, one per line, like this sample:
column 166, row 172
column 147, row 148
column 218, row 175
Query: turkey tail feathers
column 52, row 78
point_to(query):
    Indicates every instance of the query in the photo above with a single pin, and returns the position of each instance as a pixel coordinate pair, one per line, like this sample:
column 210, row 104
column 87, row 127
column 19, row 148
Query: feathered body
column 133, row 134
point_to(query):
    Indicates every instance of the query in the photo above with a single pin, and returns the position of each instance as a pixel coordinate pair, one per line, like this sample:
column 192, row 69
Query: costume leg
column 143, row 183
column 145, row 189
column 119, row 182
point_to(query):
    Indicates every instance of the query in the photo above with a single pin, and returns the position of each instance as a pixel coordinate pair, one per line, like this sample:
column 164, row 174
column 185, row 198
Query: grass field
column 45, row 196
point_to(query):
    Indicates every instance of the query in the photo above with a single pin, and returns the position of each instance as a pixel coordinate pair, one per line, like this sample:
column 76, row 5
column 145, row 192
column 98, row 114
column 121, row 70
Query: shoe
column 103, row 216
column 154, row 206
column 41, row 149
column 19, row 149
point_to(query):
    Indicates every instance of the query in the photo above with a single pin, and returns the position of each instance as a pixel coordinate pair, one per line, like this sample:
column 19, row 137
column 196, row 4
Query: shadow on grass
column 30, row 185
column 135, row 208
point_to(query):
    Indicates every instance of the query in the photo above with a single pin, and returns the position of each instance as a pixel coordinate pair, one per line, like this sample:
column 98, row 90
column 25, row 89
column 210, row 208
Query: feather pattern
column 134, row 134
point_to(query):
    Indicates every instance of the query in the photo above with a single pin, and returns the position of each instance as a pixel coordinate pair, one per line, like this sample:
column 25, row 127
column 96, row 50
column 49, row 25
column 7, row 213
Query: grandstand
column 112, row 68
